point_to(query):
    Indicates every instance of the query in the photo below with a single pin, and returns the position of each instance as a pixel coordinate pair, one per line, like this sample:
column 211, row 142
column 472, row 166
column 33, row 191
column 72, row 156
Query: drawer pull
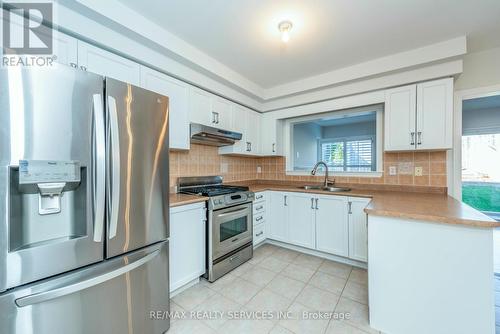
column 260, row 207
column 259, row 234
column 258, row 219
column 259, row 196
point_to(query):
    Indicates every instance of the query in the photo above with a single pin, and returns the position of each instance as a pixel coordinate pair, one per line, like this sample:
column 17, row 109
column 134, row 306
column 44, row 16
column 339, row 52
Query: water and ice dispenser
column 48, row 201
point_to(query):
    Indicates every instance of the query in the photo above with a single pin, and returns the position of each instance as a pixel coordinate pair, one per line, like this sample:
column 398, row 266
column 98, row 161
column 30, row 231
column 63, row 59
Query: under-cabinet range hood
column 207, row 135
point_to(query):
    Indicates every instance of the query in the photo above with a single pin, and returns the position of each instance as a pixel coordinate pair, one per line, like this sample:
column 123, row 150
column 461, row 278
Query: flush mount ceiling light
column 284, row 28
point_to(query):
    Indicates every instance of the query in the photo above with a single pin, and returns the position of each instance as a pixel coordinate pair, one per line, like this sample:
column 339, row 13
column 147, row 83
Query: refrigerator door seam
column 100, row 167
column 115, row 167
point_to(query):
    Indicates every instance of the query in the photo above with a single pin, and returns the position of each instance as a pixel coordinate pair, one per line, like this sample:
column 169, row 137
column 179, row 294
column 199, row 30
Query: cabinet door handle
column 419, row 136
column 312, row 203
column 316, row 204
column 350, row 208
column 274, row 147
column 259, row 234
column 412, row 136
column 216, row 118
column 284, row 198
column 248, row 146
column 83, row 68
column 213, row 118
column 73, row 65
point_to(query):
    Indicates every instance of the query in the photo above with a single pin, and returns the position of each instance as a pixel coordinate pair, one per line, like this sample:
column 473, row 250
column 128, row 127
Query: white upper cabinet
column 253, row 132
column 200, row 107
column 400, row 118
column 65, row 49
column 332, row 229
column 269, row 136
column 208, row 109
column 302, row 220
column 247, row 122
column 221, row 110
column 358, row 229
column 96, row 60
column 419, row 116
column 178, row 101
column 434, row 114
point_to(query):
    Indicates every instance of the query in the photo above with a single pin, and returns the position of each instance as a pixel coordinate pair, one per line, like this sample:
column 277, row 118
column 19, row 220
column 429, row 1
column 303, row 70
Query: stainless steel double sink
column 323, row 188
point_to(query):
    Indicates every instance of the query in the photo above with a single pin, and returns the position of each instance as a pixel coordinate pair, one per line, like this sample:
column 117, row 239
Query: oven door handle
column 233, row 212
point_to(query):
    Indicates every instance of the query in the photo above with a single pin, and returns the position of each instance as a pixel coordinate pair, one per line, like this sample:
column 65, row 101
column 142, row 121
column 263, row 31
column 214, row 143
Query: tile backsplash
column 204, row 160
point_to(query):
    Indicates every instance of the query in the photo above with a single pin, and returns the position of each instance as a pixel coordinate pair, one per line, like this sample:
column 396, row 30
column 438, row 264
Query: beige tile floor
column 278, row 279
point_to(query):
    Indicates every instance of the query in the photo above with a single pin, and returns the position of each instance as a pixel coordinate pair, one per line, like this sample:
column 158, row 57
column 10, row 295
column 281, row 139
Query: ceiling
column 327, row 34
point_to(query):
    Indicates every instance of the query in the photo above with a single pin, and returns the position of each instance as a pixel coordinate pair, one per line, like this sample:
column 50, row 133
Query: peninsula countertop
column 432, row 206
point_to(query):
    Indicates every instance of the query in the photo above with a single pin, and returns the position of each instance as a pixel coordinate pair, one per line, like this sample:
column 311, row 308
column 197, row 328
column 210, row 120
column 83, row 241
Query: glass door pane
column 233, row 227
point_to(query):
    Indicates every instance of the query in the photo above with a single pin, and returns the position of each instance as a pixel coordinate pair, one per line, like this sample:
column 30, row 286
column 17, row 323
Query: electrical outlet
column 393, row 170
column 418, row 171
column 259, row 169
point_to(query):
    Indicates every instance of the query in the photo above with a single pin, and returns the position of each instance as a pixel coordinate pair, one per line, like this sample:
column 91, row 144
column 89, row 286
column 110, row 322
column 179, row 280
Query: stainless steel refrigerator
column 84, row 204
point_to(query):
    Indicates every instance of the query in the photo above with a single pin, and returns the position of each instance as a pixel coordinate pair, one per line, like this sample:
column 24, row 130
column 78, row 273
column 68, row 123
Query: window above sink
column 349, row 141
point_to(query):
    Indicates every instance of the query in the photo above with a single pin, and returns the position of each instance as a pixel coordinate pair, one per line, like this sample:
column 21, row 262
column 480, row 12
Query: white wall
column 480, row 69
column 305, row 147
column 347, row 130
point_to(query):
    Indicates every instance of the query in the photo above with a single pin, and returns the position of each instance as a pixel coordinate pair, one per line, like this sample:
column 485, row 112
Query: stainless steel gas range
column 229, row 229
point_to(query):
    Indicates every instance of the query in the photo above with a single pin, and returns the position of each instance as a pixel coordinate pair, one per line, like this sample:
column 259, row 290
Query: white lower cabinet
column 259, row 218
column 259, row 234
column 332, row 229
column 358, row 229
column 327, row 223
column 277, row 216
column 301, row 222
column 187, row 244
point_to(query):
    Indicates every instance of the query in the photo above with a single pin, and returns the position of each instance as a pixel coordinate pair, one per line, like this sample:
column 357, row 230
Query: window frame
column 288, row 146
column 320, row 143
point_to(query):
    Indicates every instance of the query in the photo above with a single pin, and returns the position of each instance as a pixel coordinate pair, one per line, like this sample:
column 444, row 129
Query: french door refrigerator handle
column 114, row 197
column 41, row 297
column 99, row 166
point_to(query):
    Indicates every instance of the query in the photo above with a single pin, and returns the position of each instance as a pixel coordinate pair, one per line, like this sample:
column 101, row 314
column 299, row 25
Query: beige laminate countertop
column 183, row 199
column 432, row 207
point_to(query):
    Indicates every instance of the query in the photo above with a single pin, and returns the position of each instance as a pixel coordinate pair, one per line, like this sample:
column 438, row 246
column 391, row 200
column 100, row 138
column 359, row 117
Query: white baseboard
column 184, row 287
column 327, row 256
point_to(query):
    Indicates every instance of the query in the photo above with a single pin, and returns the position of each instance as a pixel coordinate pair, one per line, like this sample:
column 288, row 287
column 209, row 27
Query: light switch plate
column 259, row 169
column 393, row 170
column 418, row 171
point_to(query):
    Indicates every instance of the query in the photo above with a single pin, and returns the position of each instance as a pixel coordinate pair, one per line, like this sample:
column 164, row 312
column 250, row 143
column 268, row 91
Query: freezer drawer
column 113, row 297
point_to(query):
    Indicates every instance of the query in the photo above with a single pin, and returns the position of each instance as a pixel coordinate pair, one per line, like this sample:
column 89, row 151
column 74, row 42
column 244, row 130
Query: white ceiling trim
column 427, row 54
column 394, row 79
column 128, row 18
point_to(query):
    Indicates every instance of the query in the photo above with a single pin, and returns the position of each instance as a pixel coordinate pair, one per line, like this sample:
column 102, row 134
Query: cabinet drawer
column 259, row 234
column 259, row 208
column 260, row 197
column 258, row 218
